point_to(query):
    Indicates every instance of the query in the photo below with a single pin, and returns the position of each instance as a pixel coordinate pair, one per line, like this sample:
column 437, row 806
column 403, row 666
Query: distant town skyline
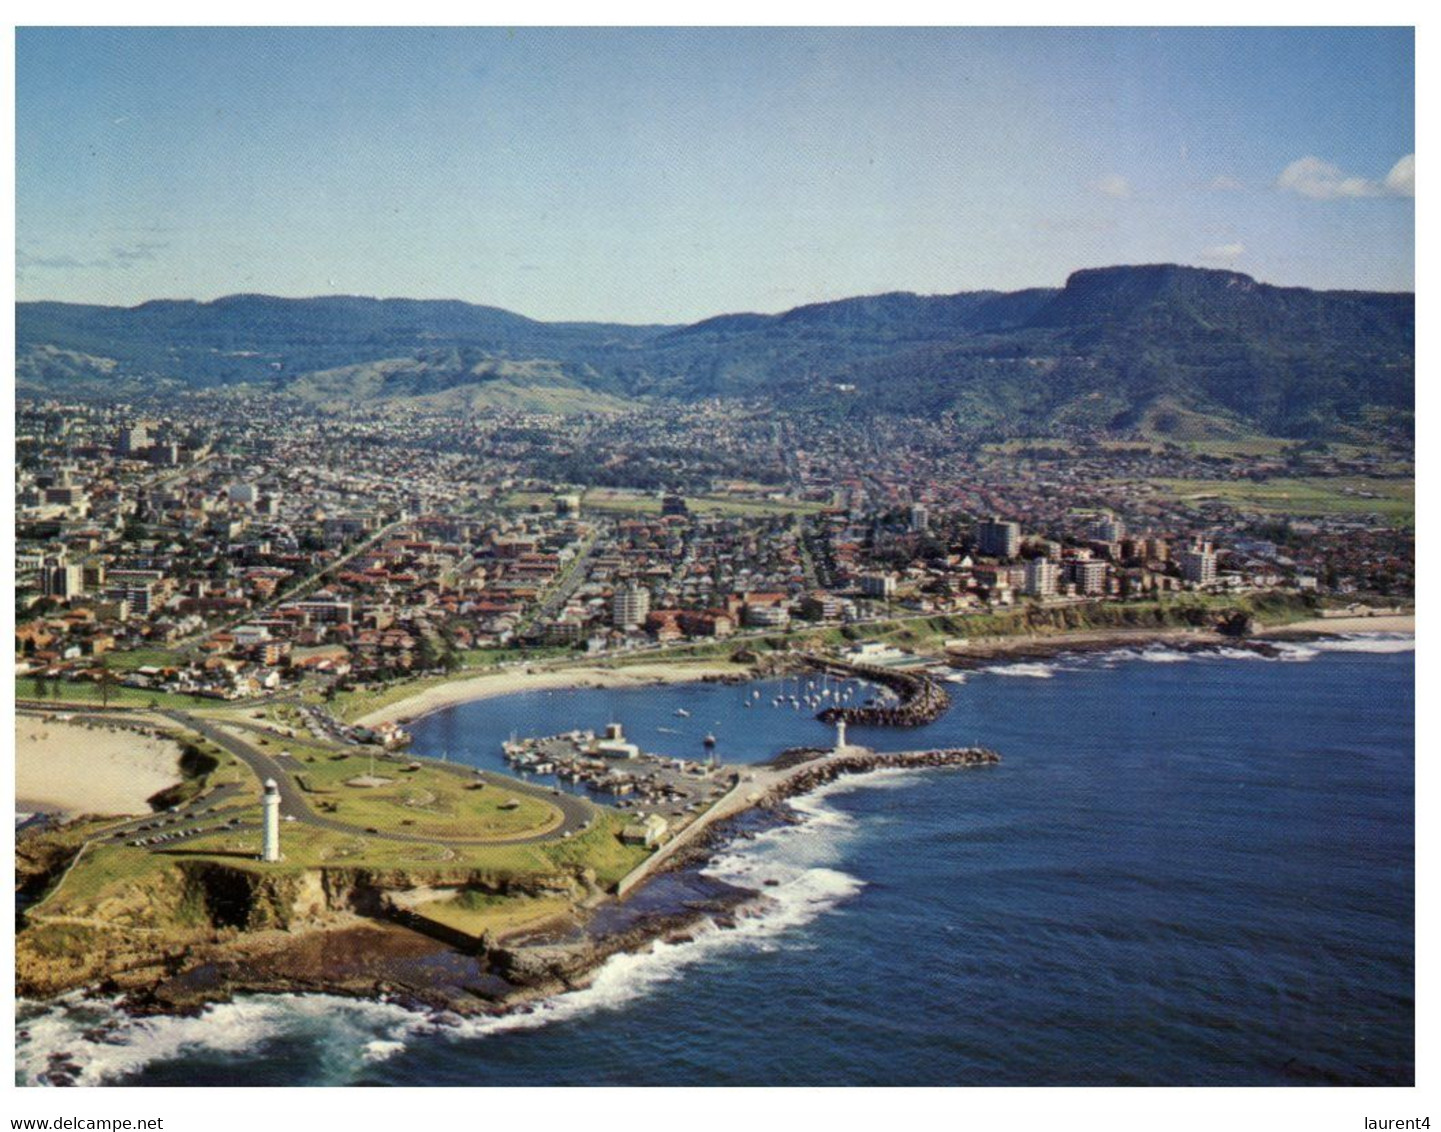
column 664, row 175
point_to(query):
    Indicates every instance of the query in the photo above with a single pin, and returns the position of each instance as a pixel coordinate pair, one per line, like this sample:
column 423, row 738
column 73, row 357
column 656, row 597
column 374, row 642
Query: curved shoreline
column 73, row 767
column 490, row 685
column 542, row 972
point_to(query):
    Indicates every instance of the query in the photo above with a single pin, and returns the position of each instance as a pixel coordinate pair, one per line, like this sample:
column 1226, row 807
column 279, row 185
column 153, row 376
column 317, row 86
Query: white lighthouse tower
column 270, row 807
column 840, row 736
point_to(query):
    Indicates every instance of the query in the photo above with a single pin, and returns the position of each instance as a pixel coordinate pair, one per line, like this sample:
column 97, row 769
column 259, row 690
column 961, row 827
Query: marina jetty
column 828, row 765
column 920, row 698
column 794, row 771
column 808, row 773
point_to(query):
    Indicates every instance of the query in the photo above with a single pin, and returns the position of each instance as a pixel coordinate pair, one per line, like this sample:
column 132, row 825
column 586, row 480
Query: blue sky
column 667, row 175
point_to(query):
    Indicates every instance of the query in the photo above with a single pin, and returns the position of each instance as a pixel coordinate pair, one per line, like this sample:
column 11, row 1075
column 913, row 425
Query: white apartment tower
column 1198, row 564
column 1042, row 577
column 629, row 606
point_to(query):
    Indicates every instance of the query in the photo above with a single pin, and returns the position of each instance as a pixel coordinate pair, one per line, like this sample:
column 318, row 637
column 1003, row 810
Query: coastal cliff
column 202, row 911
column 204, row 930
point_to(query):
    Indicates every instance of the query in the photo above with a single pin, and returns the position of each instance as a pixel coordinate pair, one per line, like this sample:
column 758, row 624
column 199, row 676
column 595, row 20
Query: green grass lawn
column 1238, row 446
column 599, row 848
column 525, row 500
column 99, row 876
column 612, row 501
column 1393, row 500
column 624, row 502
column 476, row 913
column 85, row 692
column 139, row 888
column 427, row 802
column 131, row 659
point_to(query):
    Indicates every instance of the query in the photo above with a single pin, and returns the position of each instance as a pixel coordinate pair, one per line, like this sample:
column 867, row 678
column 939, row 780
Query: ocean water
column 1189, row 869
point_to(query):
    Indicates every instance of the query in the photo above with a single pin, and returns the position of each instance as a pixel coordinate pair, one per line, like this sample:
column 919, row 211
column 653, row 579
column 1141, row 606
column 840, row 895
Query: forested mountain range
column 1159, row 348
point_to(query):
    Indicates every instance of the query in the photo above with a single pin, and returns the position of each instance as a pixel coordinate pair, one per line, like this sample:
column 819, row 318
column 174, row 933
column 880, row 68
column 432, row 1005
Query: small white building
column 648, row 830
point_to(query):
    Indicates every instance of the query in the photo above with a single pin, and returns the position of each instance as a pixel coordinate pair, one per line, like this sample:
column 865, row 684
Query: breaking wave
column 1271, row 652
column 89, row 1041
column 1025, row 669
column 1368, row 642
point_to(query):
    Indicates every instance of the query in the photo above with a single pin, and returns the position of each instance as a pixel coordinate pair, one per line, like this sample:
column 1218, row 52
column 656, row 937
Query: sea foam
column 1368, row 642
column 108, row 1045
column 1026, row 669
column 802, row 859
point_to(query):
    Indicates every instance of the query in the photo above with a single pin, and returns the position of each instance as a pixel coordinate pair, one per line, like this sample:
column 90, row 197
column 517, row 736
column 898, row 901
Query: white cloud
column 1225, row 183
column 1113, row 185
column 1320, row 180
column 1401, row 181
column 1224, row 253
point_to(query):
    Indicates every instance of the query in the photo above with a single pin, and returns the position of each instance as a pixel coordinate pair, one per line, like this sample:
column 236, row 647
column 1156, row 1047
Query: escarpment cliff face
column 1163, row 348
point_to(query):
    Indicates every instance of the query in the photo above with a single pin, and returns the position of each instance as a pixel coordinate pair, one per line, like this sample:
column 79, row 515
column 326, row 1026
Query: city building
column 1088, row 575
column 133, row 440
column 1042, row 577
column 62, row 579
column 1198, row 564
column 649, row 830
column 1108, row 528
column 628, row 607
column 997, row 538
column 767, row 616
column 881, row 586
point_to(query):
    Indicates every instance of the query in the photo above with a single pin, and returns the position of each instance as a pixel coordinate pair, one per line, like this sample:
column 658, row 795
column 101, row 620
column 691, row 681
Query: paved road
column 575, row 577
column 193, row 815
column 302, row 587
column 576, row 813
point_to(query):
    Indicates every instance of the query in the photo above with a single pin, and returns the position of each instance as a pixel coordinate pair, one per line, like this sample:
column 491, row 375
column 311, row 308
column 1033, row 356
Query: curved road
column 576, row 813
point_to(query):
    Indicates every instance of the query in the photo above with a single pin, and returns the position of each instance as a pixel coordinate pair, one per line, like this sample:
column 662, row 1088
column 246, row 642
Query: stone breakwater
column 922, row 698
column 798, row 770
column 810, row 775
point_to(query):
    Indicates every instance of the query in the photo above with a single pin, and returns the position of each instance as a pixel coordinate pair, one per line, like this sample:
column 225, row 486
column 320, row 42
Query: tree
column 107, row 681
column 41, row 685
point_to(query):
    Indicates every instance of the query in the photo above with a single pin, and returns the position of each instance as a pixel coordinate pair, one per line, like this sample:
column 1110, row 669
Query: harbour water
column 1189, row 869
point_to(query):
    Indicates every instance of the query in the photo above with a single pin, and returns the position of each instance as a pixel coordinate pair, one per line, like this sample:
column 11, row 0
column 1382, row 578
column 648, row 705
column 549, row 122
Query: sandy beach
column 74, row 769
column 1382, row 623
column 508, row 682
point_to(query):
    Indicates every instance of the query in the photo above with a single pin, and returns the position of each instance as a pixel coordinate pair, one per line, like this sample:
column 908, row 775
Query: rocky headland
column 210, row 930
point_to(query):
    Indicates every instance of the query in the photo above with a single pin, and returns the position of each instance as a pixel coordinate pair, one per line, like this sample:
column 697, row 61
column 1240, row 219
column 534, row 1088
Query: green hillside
column 1159, row 350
